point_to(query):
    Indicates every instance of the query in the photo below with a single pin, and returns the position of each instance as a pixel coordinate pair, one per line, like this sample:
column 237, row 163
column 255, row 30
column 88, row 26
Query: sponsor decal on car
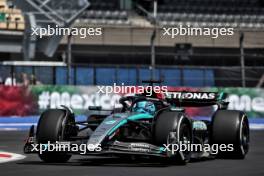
column 140, row 150
column 191, row 95
column 140, row 147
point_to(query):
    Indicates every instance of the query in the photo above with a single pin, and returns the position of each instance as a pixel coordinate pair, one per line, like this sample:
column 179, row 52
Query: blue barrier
column 24, row 123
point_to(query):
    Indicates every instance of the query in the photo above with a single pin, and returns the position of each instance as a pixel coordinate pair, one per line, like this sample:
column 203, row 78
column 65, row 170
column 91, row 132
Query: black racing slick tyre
column 51, row 128
column 171, row 127
column 231, row 127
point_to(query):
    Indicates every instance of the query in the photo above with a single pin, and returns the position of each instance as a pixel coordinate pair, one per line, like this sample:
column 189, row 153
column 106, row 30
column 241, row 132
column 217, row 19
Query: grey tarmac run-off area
column 90, row 166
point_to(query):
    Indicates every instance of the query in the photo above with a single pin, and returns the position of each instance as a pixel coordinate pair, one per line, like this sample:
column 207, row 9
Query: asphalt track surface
column 90, row 166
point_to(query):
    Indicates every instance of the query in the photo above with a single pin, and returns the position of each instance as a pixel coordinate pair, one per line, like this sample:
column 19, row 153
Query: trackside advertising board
column 28, row 101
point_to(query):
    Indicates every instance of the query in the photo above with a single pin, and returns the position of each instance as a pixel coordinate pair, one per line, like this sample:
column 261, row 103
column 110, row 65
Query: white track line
column 17, row 124
column 255, row 126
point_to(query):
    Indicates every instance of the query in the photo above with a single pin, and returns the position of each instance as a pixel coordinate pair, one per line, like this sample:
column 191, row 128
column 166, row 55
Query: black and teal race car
column 146, row 126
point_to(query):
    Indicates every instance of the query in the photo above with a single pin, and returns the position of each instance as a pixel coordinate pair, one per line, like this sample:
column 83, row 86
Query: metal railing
column 194, row 76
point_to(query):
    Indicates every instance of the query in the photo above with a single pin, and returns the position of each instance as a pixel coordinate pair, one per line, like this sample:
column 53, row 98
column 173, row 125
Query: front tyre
column 231, row 127
column 172, row 127
column 54, row 126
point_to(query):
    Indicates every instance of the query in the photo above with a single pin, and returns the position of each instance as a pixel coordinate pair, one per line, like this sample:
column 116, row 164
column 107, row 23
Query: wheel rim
column 245, row 136
column 185, row 138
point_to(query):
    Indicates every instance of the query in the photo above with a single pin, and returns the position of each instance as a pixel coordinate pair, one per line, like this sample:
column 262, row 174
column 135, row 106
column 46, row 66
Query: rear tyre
column 54, row 126
column 172, row 127
column 231, row 127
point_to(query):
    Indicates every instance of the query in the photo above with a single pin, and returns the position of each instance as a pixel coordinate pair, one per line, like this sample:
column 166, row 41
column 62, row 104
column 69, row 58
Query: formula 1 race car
column 146, row 126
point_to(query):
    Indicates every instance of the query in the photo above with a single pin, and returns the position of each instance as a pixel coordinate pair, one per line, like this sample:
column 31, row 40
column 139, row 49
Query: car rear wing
column 197, row 99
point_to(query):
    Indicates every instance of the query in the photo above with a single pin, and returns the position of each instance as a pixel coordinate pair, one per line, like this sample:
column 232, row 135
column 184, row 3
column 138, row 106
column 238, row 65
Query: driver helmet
column 144, row 107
